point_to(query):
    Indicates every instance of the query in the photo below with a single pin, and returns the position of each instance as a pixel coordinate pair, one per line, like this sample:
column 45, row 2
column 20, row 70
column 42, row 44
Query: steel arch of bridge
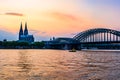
column 102, row 33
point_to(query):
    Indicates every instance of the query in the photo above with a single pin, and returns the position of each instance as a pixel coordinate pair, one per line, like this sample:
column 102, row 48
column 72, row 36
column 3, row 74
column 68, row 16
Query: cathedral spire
column 20, row 31
column 26, row 30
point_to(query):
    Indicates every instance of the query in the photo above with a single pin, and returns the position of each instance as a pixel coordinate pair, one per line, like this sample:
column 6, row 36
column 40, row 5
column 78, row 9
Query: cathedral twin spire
column 24, row 36
column 25, row 30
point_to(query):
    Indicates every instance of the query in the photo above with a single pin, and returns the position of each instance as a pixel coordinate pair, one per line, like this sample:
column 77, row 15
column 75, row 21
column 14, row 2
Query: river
column 59, row 65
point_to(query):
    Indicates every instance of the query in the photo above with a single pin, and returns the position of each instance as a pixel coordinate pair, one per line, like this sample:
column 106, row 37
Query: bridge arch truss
column 98, row 35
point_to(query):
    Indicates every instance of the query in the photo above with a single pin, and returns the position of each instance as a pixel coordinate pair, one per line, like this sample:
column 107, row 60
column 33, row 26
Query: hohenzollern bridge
column 97, row 38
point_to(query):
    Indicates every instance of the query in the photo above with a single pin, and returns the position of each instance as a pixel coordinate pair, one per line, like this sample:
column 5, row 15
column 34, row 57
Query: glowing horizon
column 58, row 17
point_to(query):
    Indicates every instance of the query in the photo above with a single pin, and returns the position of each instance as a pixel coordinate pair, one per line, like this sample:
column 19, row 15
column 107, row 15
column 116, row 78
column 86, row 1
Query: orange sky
column 48, row 18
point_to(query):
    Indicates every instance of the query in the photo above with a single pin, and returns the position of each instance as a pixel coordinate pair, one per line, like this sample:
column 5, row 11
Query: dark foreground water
column 59, row 65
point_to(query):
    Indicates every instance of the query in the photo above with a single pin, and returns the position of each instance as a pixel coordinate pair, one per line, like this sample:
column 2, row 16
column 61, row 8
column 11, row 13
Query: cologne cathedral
column 24, row 36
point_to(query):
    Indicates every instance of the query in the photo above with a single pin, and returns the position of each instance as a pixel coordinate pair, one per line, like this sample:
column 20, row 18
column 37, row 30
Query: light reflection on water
column 59, row 65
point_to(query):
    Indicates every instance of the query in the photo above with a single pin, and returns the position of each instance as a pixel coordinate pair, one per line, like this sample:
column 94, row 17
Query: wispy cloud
column 61, row 15
column 14, row 14
column 64, row 16
column 36, row 32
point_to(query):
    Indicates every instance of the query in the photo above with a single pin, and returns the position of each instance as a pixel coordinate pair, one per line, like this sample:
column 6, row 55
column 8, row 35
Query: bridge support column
column 90, row 38
column 116, row 38
column 93, row 38
column 110, row 36
column 113, row 37
column 104, row 36
column 107, row 36
column 101, row 37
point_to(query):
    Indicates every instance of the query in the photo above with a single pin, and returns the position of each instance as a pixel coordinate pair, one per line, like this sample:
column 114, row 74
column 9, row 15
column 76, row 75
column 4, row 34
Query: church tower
column 24, row 36
column 20, row 31
column 26, row 30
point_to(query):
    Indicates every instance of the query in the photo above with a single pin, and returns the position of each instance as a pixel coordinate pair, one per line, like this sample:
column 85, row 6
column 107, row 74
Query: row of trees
column 18, row 45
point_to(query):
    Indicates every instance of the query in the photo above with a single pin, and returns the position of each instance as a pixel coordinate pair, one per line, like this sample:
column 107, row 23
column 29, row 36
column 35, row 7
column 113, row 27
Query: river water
column 59, row 65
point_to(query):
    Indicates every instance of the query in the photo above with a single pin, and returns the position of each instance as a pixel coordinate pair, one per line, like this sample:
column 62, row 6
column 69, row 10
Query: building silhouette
column 24, row 35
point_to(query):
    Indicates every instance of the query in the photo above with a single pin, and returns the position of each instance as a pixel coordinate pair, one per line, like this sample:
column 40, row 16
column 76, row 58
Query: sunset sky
column 58, row 18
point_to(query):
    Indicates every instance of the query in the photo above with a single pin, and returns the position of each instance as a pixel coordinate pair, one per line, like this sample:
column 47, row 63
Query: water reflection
column 24, row 62
column 59, row 65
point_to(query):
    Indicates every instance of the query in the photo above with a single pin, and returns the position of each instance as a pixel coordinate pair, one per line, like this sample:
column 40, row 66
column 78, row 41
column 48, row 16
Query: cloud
column 62, row 16
column 40, row 35
column 43, row 32
column 36, row 32
column 7, row 35
column 68, row 18
column 14, row 14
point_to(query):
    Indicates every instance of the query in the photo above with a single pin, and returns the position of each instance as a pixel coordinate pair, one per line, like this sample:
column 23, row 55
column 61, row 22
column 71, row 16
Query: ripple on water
column 59, row 65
